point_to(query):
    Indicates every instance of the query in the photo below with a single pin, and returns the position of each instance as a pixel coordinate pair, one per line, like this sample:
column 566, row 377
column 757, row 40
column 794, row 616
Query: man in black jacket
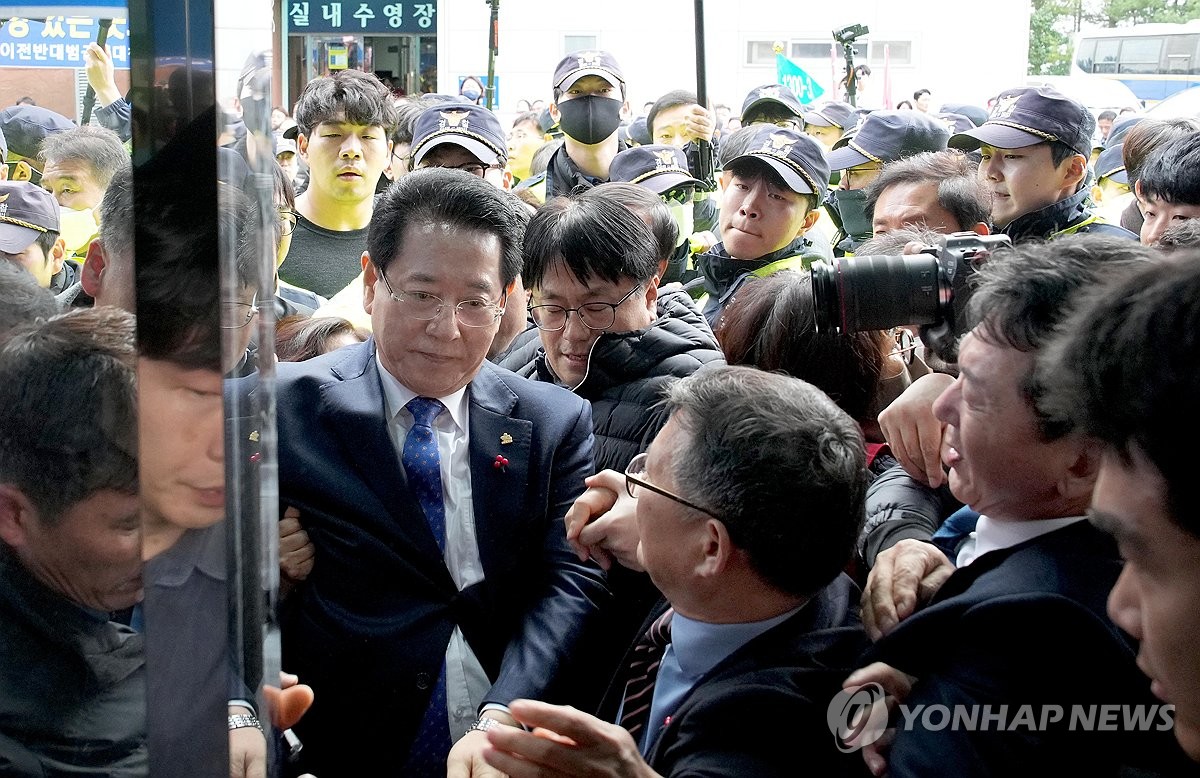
column 1035, row 147
column 72, row 680
column 608, row 332
column 761, row 614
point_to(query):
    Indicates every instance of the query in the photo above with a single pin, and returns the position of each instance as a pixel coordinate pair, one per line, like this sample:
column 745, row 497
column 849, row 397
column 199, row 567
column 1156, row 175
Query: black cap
column 587, row 63
column 473, row 127
column 1120, row 128
column 798, row 159
column 832, row 114
column 658, row 168
column 956, row 122
column 776, row 94
column 1030, row 115
column 639, row 133
column 1110, row 164
column 886, row 136
column 26, row 212
column 26, row 126
column 976, row 114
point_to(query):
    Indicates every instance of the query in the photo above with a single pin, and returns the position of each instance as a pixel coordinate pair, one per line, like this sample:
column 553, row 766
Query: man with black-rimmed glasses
column 608, row 332
column 745, row 527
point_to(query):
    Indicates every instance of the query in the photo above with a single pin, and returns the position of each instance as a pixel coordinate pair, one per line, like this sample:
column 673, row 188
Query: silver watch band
column 484, row 723
column 240, row 720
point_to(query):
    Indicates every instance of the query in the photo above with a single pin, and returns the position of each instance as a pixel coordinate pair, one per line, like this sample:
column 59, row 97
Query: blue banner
column 59, row 42
column 794, row 78
column 359, row 17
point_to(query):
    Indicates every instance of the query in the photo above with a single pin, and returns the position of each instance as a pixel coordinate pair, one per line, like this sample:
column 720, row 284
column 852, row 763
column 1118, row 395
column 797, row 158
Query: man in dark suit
column 1128, row 368
column 745, row 527
column 433, row 486
column 1015, row 643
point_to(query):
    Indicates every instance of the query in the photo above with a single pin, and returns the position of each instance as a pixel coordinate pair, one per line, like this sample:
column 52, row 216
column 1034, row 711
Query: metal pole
column 493, row 50
column 701, row 76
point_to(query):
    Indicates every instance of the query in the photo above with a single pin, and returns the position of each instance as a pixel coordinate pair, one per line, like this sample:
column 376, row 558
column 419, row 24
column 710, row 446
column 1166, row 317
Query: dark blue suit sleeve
column 535, row 665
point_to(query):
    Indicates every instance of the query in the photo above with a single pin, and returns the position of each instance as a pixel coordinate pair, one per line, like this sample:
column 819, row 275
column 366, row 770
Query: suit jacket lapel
column 353, row 410
column 497, row 489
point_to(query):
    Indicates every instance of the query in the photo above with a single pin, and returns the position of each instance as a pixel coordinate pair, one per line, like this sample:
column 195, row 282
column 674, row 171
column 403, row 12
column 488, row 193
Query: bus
column 1154, row 60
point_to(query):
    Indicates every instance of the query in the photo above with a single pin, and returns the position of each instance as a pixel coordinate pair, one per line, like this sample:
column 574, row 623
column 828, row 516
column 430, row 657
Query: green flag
column 794, row 78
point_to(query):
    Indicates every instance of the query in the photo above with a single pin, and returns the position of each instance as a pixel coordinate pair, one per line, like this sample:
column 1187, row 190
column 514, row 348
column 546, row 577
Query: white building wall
column 963, row 53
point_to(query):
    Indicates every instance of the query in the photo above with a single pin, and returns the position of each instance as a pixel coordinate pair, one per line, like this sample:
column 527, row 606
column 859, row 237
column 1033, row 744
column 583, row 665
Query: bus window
column 1181, row 55
column 1140, row 55
column 1086, row 54
column 1107, row 51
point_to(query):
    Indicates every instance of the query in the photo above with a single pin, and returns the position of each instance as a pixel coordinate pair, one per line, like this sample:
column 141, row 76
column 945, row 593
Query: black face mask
column 589, row 119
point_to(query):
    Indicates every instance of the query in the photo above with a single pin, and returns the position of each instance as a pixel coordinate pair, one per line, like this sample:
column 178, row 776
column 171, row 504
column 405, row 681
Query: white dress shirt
column 466, row 681
column 993, row 535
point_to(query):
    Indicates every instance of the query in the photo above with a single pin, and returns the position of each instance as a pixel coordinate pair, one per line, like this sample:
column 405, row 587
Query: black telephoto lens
column 878, row 292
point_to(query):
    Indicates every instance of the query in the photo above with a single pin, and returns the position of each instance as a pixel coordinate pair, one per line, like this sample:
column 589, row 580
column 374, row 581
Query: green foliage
column 1122, row 13
column 1049, row 46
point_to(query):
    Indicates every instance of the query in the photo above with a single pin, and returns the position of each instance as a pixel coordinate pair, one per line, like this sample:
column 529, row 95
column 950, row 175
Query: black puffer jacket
column 628, row 372
column 1066, row 217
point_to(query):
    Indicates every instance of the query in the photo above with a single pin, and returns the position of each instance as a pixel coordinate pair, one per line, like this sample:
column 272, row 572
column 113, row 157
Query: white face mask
column 683, row 215
column 77, row 227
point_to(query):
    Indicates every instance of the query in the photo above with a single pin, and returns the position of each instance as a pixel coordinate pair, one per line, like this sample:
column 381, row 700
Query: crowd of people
column 575, row 474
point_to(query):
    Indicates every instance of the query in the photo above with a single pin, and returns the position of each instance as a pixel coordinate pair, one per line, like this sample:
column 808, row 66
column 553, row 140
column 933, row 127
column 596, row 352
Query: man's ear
column 981, row 228
column 370, row 276
column 16, row 514
column 302, row 145
column 1080, row 478
column 718, row 548
column 652, row 294
column 553, row 109
column 508, row 180
column 92, row 276
column 810, row 219
column 58, row 255
column 1076, row 170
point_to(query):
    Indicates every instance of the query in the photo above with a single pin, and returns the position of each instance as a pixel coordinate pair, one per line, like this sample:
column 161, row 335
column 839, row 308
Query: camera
column 930, row 289
column 847, row 35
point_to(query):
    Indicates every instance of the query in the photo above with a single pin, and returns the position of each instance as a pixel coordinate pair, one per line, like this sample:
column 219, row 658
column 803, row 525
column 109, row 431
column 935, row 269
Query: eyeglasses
column 427, row 307
column 850, row 173
column 595, row 316
column 635, row 478
column 681, row 196
column 287, row 220
column 234, row 316
column 474, row 168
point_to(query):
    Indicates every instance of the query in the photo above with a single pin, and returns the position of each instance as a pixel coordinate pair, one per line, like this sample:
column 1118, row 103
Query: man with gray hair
column 760, row 614
column 936, row 190
column 79, row 163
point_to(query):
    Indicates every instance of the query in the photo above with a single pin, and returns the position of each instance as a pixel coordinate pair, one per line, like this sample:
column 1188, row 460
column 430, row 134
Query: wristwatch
column 240, row 720
column 484, row 723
